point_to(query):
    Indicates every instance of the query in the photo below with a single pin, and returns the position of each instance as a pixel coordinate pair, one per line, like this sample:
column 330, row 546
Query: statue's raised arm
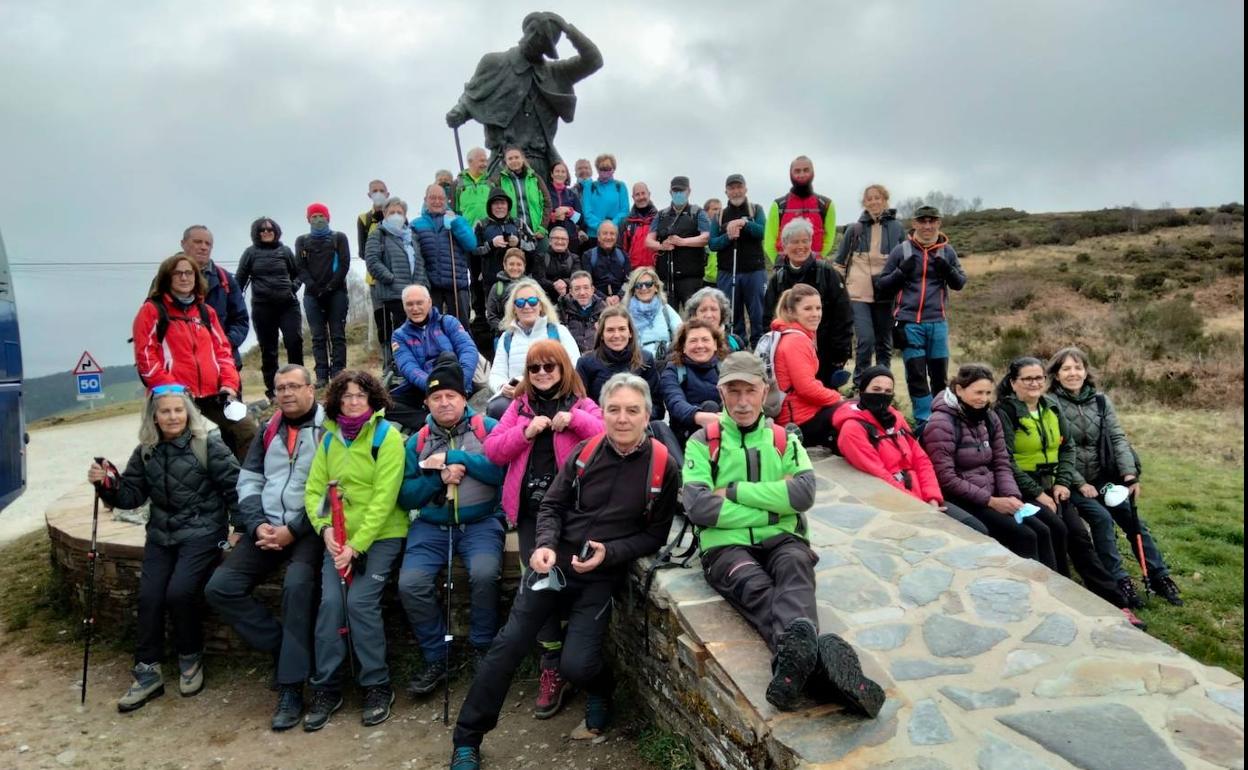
column 520, row 94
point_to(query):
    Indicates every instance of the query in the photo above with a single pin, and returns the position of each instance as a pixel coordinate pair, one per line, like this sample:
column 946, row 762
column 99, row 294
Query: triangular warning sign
column 87, row 365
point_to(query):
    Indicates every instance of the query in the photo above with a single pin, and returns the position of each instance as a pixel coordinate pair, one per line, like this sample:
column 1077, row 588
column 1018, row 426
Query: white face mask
column 396, row 220
column 378, row 198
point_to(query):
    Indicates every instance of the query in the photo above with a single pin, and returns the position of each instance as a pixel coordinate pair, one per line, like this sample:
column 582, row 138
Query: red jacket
column 796, row 367
column 896, row 457
column 199, row 358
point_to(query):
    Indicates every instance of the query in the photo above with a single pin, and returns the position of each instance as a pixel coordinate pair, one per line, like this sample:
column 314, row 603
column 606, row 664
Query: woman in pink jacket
column 550, row 415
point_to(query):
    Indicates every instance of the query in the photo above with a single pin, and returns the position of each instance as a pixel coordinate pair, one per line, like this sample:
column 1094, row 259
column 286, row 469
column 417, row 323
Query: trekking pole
column 338, row 521
column 88, row 620
column 1138, row 546
column 453, row 493
column 454, row 279
column 459, row 154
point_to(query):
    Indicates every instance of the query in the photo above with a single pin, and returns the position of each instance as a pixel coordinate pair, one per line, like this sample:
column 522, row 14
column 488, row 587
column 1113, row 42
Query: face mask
column 973, row 414
column 876, row 403
column 396, row 221
column 804, row 188
column 680, row 198
column 320, row 229
column 606, row 176
column 377, row 198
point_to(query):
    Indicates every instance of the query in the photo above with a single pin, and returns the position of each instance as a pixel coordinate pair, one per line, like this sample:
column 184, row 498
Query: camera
column 536, row 490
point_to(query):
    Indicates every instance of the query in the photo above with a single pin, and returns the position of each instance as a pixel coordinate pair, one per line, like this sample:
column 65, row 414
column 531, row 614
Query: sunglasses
column 644, row 284
column 168, row 390
column 546, row 367
column 530, row 301
column 266, row 230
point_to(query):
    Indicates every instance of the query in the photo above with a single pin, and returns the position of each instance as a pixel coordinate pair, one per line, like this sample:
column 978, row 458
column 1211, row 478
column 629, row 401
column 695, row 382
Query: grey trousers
column 363, row 611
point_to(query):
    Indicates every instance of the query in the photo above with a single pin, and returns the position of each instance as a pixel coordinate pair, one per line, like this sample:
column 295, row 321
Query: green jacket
column 1082, row 411
column 1039, row 452
column 760, row 502
column 471, row 196
column 536, row 197
column 369, row 489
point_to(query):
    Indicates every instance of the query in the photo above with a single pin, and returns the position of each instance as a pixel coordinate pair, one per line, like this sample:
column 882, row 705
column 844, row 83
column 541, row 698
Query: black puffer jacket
column 324, row 262
column 269, row 268
column 189, row 501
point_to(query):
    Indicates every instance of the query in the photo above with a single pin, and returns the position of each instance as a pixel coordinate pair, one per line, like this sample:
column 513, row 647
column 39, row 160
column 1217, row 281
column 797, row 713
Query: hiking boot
column 1133, row 620
column 324, row 704
column 147, row 684
column 466, row 758
column 797, row 654
column 1130, row 596
column 1165, row 588
column 839, row 677
column 428, row 679
column 597, row 713
column 377, row 702
column 289, row 707
column 190, row 674
column 552, row 691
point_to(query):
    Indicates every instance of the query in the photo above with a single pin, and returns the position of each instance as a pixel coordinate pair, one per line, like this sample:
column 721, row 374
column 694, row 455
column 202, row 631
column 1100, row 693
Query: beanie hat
column 864, row 377
column 446, row 375
column 318, row 208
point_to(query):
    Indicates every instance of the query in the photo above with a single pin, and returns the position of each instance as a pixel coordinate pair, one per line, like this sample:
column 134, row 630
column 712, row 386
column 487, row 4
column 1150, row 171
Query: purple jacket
column 506, row 445
column 979, row 466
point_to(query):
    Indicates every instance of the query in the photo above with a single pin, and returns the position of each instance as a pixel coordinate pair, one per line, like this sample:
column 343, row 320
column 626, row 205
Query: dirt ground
column 226, row 725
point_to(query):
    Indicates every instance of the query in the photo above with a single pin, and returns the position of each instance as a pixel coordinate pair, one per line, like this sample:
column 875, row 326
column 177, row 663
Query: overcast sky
column 124, row 122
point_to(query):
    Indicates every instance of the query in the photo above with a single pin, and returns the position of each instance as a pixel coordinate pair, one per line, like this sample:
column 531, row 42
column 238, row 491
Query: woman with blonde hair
column 655, row 320
column 860, row 256
column 184, row 469
column 528, row 316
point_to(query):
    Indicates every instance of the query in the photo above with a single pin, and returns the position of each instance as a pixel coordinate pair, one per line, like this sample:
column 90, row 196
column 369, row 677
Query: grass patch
column 32, row 600
column 665, row 750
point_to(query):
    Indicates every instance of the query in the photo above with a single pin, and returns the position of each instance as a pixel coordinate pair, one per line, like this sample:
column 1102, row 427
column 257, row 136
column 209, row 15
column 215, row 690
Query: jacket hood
column 255, row 233
column 502, row 276
column 885, row 215
column 945, row 401
column 852, row 411
column 496, row 193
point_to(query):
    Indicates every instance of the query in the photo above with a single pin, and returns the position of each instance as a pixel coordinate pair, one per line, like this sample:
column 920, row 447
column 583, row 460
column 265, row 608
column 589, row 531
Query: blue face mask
column 320, row 229
column 680, row 198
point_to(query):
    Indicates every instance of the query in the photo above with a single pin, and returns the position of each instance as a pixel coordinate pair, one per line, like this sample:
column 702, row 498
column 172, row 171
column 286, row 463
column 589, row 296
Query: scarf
column 185, row 300
column 643, row 313
column 404, row 234
column 351, row 426
column 319, row 232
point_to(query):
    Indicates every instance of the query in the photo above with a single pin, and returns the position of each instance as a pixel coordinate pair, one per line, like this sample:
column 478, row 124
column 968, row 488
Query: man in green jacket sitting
column 746, row 485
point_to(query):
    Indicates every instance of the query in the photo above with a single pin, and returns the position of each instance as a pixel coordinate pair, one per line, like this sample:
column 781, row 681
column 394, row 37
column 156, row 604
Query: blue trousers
column 1101, row 520
column 480, row 549
column 746, row 298
column 926, row 358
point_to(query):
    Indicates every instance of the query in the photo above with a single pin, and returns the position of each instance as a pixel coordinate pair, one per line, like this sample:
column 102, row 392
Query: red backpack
column 476, row 422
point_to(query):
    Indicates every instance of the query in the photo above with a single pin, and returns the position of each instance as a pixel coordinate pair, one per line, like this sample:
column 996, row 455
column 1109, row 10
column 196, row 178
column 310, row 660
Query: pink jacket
column 506, row 445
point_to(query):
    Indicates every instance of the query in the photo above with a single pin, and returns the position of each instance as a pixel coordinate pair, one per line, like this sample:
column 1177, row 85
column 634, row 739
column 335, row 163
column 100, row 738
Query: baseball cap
column 734, row 179
column 926, row 211
column 744, row 366
column 679, row 183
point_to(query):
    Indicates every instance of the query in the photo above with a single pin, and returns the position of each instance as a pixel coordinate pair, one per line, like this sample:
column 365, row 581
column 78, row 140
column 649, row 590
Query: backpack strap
column 658, row 469
column 714, row 435
column 224, row 277
column 422, row 436
column 507, row 335
column 379, row 435
column 271, row 428
column 552, row 332
column 907, row 250
column 586, row 454
column 477, row 423
column 780, row 438
column 162, row 318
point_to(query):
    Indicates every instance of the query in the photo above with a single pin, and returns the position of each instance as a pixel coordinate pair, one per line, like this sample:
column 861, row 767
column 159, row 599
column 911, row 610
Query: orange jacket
column 795, row 371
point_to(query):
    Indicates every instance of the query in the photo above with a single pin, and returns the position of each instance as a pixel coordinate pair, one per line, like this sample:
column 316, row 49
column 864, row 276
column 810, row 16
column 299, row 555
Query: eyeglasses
column 545, row 367
column 290, row 388
column 644, row 285
column 530, row 301
column 354, row 396
column 1031, row 380
column 183, row 273
column 168, row 390
column 266, row 230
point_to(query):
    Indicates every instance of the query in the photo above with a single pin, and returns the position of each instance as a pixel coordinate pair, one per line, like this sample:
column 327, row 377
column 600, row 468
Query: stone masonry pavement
column 989, row 661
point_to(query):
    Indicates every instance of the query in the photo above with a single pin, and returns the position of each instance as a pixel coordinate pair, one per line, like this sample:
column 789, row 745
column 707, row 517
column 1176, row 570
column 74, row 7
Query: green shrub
column 1014, row 342
column 1063, row 267
column 1083, row 258
column 1171, row 327
column 1150, row 280
column 1197, row 211
column 1230, row 208
column 1102, row 288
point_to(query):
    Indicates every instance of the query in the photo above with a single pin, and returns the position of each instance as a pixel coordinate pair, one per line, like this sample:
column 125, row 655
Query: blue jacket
column 417, row 347
column 595, row 371
column 603, row 202
column 683, row 399
column 227, row 300
column 920, row 279
column 435, row 244
column 609, row 273
column 478, row 492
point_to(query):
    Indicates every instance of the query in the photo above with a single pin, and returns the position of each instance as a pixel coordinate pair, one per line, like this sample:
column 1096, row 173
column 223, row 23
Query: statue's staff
column 459, row 153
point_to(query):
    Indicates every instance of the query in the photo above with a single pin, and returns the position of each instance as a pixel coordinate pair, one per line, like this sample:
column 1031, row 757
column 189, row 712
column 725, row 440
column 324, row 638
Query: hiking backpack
column 766, row 349
column 476, row 422
column 658, row 468
column 379, row 435
column 552, row 333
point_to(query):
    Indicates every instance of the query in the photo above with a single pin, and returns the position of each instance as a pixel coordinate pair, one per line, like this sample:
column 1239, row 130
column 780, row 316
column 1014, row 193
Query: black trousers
column 680, row 290
column 173, row 578
column 389, row 316
column 407, row 408
column 445, row 301
column 1031, row 540
column 237, row 435
column 1075, row 547
column 268, row 319
column 327, row 318
column 817, row 431
column 588, row 607
column 229, row 593
column 962, row 516
column 771, row 584
column 550, row 635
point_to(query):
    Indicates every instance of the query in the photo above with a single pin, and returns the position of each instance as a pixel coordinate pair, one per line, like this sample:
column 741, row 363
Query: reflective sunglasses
column 530, row 301
column 644, row 285
column 168, row 390
column 546, row 367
